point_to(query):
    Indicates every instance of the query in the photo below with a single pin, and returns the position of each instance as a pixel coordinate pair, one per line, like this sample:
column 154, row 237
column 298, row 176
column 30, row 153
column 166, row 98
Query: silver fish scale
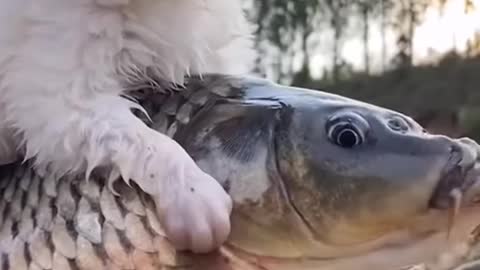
column 170, row 110
column 72, row 230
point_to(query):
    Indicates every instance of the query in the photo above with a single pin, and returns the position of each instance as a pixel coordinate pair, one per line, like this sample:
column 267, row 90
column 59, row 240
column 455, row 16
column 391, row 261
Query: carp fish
column 318, row 181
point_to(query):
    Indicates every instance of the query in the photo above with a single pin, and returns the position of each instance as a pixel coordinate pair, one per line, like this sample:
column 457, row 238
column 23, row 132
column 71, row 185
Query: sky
column 438, row 33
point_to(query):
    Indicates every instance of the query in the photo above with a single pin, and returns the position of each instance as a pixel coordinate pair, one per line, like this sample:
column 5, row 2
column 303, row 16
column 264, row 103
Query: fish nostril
column 397, row 124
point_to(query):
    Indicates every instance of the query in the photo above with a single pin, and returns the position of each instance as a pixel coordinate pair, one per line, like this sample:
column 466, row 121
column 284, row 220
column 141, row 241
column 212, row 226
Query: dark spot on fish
column 5, row 262
column 23, row 200
column 100, row 252
column 73, row 264
column 33, row 216
column 192, row 189
column 123, row 211
column 26, row 253
column 101, row 219
column 144, row 197
column 147, row 226
column 127, row 246
column 144, row 222
column 53, row 207
column 95, row 206
column 75, row 193
column 152, row 175
column 147, row 201
column 49, row 242
column 72, row 231
column 14, row 229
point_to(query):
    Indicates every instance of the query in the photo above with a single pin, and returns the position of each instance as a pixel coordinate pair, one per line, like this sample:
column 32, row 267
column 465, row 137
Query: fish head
column 320, row 176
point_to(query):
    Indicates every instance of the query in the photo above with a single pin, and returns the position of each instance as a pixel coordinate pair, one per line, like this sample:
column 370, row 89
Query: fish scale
column 74, row 224
column 174, row 109
column 95, row 232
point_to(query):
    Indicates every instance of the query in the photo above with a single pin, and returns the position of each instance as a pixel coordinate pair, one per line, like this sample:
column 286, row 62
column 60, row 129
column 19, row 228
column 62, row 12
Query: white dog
column 64, row 65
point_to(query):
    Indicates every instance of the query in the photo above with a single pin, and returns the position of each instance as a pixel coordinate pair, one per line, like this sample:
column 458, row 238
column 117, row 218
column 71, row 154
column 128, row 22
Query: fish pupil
column 347, row 138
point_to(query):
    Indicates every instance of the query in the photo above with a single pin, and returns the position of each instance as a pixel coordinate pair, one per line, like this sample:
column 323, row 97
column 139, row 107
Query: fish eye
column 345, row 135
column 347, row 131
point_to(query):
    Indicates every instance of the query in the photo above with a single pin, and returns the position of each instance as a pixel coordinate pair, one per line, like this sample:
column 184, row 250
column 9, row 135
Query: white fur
column 64, row 65
column 8, row 151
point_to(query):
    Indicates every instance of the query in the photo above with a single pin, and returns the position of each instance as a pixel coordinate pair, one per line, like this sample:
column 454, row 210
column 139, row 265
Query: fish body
column 319, row 181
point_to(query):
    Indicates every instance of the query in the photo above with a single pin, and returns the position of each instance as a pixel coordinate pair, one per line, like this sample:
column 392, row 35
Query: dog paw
column 198, row 219
column 194, row 208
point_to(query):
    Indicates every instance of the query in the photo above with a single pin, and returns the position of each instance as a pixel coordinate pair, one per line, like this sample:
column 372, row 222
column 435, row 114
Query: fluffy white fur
column 64, row 65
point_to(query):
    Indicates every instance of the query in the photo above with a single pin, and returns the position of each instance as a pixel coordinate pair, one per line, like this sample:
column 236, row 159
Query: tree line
column 287, row 30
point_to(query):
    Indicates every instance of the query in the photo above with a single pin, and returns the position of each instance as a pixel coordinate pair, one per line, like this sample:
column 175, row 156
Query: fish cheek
column 345, row 199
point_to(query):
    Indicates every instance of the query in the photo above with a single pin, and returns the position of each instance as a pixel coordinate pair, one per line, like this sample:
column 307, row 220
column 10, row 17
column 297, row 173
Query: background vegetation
column 441, row 92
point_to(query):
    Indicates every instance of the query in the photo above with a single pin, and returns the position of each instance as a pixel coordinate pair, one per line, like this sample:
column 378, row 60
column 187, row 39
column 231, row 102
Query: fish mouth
column 459, row 185
column 454, row 181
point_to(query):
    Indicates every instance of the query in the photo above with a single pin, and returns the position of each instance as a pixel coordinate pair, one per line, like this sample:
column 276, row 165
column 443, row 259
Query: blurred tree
column 285, row 26
column 284, row 29
column 365, row 7
column 369, row 10
column 289, row 30
column 469, row 6
column 473, row 46
column 338, row 16
column 441, row 4
column 385, row 10
column 409, row 16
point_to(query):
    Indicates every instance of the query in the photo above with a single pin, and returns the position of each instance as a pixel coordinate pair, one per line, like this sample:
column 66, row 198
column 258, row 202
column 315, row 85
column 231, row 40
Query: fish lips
column 457, row 180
